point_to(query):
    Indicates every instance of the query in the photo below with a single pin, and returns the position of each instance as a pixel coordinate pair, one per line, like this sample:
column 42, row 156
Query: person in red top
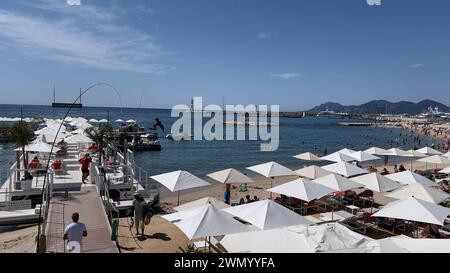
column 85, row 162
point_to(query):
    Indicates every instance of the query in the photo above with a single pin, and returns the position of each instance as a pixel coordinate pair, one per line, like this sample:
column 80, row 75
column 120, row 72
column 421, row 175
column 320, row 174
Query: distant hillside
column 382, row 107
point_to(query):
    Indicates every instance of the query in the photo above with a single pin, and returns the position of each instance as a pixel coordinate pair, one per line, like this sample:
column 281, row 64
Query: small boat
column 327, row 113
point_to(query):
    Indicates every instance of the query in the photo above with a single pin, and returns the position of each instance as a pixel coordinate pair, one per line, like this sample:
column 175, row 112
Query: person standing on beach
column 85, row 164
column 75, row 232
column 138, row 205
column 227, row 194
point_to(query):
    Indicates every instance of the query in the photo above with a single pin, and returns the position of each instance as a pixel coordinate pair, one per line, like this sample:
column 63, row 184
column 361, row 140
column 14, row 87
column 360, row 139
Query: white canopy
column 337, row 182
column 376, row 151
column 377, row 182
column 103, row 121
column 230, row 176
column 308, row 156
column 266, row 214
column 415, row 153
column 119, row 120
column 205, row 221
column 338, row 157
column 312, row 172
column 93, row 120
column 446, row 170
column 409, row 177
column 397, row 152
column 429, row 194
column 202, row 202
column 447, row 154
column 179, row 180
column 78, row 139
column 363, row 156
column 131, row 121
column 429, row 151
column 346, row 151
column 303, row 190
column 404, row 244
column 436, row 159
column 344, row 168
column 330, row 237
column 272, row 169
column 38, row 147
column 413, row 209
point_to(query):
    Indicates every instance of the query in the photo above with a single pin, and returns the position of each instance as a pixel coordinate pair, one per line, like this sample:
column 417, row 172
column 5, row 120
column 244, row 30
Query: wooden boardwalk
column 88, row 204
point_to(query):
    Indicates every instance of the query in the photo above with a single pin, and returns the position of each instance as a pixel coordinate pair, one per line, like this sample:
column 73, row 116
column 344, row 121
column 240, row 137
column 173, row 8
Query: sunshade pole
column 271, row 183
column 178, row 201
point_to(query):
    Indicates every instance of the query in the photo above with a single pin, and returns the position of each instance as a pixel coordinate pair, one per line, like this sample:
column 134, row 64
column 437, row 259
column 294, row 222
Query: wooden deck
column 88, row 204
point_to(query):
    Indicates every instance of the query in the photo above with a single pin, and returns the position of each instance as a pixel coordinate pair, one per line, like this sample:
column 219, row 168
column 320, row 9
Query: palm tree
column 100, row 137
column 23, row 135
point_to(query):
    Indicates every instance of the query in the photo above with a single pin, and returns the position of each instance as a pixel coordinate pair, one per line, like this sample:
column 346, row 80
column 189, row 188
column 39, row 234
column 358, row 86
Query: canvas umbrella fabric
column 415, row 154
column 307, row 156
column 376, row 151
column 267, row 214
column 436, row 159
column 103, row 121
column 205, row 221
column 376, row 182
column 179, row 180
column 303, row 190
column 271, row 170
column 397, row 152
column 429, row 194
column 429, row 151
column 119, row 120
column 78, row 139
column 312, row 172
column 363, row 156
column 202, row 202
column 446, row 170
column 337, row 183
column 346, row 151
column 230, row 176
column 345, row 169
column 93, row 120
column 408, row 177
column 338, row 157
column 38, row 147
column 130, row 121
column 414, row 209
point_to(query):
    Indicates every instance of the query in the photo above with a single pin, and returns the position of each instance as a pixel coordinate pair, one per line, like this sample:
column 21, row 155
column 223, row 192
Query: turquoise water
column 201, row 157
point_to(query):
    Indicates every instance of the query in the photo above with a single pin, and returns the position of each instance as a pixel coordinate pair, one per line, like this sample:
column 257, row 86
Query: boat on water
column 136, row 138
column 328, row 113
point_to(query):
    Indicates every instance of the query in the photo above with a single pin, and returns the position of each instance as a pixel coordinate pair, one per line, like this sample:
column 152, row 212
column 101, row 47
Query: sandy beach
column 18, row 241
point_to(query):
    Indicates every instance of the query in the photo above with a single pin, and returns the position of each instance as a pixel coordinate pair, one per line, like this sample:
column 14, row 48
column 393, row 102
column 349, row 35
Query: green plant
column 100, row 136
column 22, row 135
column 190, row 248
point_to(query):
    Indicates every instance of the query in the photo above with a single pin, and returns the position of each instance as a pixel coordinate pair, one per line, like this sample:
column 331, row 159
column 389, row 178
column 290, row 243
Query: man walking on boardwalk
column 74, row 233
column 85, row 164
column 138, row 205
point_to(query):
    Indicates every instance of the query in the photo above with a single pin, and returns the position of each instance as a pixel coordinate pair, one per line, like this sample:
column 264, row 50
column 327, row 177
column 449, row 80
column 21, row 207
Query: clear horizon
column 296, row 54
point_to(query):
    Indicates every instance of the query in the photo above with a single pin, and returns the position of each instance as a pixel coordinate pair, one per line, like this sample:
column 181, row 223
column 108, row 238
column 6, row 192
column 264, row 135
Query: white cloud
column 74, row 2
column 286, row 76
column 416, row 65
column 99, row 42
column 265, row 35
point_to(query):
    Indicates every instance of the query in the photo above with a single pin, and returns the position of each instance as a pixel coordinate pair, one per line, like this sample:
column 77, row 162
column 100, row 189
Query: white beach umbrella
column 271, row 170
column 346, row 151
column 363, row 156
column 202, row 202
column 205, row 221
column 338, row 157
column 266, row 214
column 103, row 121
column 307, row 156
column 303, row 190
column 230, row 176
column 120, row 120
column 337, row 183
column 38, row 147
column 414, row 209
column 376, row 151
column 436, row 159
column 312, row 172
column 345, row 169
column 131, row 121
column 409, row 177
column 397, row 152
column 446, row 170
column 447, row 154
column 78, row 139
column 179, row 180
column 429, row 151
column 415, row 154
column 376, row 182
column 93, row 120
column 429, row 194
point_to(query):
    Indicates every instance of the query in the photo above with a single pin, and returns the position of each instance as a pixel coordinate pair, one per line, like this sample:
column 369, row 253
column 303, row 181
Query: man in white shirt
column 75, row 232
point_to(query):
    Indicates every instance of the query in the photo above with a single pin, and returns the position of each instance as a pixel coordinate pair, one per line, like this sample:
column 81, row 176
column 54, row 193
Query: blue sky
column 296, row 53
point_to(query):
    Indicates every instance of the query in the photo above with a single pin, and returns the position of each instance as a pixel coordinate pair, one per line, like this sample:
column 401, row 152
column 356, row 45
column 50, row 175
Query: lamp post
column 41, row 240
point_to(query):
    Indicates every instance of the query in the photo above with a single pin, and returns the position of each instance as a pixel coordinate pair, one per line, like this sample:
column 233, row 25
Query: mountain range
column 382, row 107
